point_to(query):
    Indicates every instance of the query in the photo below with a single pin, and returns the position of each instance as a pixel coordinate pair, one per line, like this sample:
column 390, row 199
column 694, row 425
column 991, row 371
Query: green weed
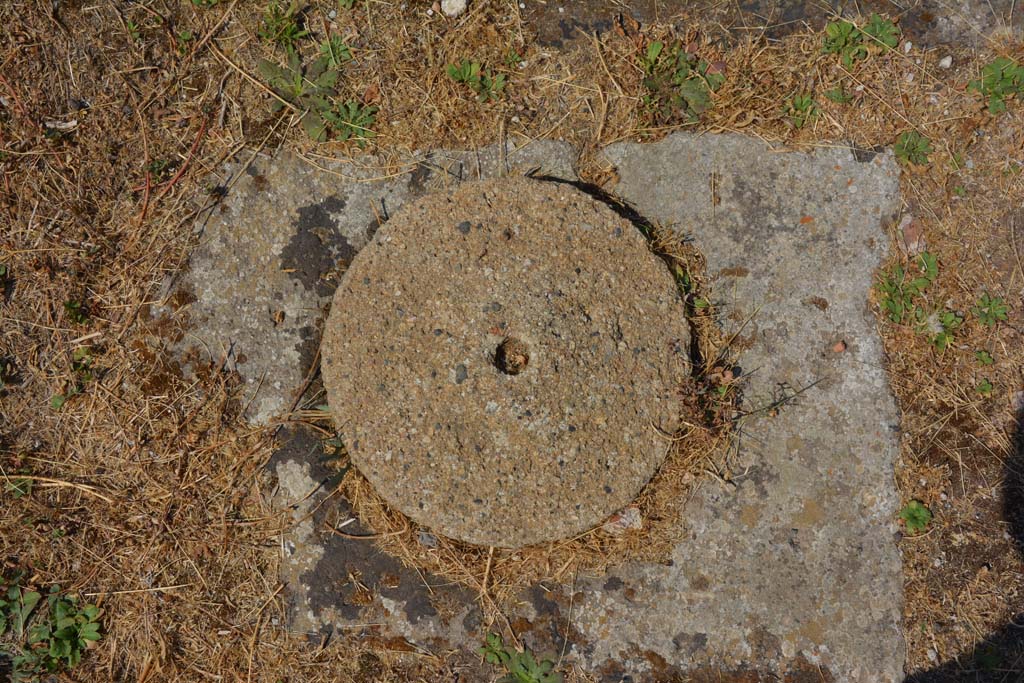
column 522, row 667
column 678, row 84
column 59, row 634
column 205, row 4
column 134, row 32
column 346, row 4
column 308, row 89
column 990, row 310
column 801, row 110
column 912, row 147
column 281, row 25
column 485, row 83
column 851, row 43
column 76, row 312
column 916, row 517
column 352, row 121
column 839, row 95
column 984, row 357
column 899, row 290
column 335, row 51
column 1000, row 79
column 984, row 387
column 948, row 322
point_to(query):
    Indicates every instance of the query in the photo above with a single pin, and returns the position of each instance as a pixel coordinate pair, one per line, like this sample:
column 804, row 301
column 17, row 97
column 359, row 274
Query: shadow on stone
column 999, row 658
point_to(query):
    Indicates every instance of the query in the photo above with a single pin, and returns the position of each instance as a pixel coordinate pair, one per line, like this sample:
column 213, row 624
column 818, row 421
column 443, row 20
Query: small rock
column 913, row 235
column 907, row 47
column 453, row 8
column 946, row 62
column 839, row 346
column 624, row 521
column 427, row 540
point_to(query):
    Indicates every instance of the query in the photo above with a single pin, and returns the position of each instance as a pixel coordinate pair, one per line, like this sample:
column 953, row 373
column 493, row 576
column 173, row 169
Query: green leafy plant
column 281, row 25
column 839, row 95
column 308, row 89
column 352, row 121
column 184, row 38
column 346, row 4
column 915, row 516
column 846, row 40
column 1002, row 78
column 948, row 322
column 485, row 83
column 984, row 387
column 512, row 58
column 205, row 4
column 883, row 31
column 984, row 357
column 678, row 84
column 801, row 110
column 899, row 289
column 58, row 635
column 335, row 52
column 19, row 487
column 522, row 667
column 76, row 312
column 990, row 310
column 912, row 147
column 851, row 43
column 134, row 32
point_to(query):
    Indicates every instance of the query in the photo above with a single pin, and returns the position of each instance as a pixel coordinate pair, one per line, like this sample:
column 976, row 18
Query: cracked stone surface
column 503, row 361
column 796, row 558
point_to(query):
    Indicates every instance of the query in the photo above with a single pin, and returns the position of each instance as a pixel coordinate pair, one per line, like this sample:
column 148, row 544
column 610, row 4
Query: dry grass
column 155, row 499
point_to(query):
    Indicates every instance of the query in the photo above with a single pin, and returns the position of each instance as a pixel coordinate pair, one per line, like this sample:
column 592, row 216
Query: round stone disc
column 503, row 361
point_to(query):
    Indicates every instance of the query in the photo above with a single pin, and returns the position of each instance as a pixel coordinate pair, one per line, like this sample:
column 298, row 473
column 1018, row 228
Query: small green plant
column 308, row 89
column 984, row 357
column 899, row 291
column 184, row 38
column 134, row 32
column 844, row 39
column 522, row 667
column 19, row 487
column 346, row 4
column 984, row 387
column 1000, row 79
column 513, row 59
column 960, row 191
column 915, row 516
column 801, row 110
column 912, row 147
column 281, row 25
column 678, row 84
column 851, row 43
column 44, row 640
column 352, row 121
column 76, row 312
column 205, row 4
column 990, row 310
column 882, row 31
column 335, row 51
column 947, row 322
column 839, row 95
column 486, row 84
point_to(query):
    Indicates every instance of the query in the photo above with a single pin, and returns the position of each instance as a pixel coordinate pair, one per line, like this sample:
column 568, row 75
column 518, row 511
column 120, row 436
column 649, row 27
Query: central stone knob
column 512, row 356
column 503, row 361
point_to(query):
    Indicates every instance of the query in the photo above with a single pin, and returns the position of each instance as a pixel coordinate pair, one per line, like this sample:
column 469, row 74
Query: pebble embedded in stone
column 544, row 404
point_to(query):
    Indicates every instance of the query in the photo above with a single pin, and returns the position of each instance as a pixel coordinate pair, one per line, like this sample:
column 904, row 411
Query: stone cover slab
column 794, row 561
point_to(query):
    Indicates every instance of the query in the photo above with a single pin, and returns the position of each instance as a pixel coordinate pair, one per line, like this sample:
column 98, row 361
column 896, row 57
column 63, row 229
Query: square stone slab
column 789, row 570
column 793, row 564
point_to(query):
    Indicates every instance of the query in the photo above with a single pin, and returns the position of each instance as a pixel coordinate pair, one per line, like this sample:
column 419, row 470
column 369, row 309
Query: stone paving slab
column 794, row 560
column 790, row 570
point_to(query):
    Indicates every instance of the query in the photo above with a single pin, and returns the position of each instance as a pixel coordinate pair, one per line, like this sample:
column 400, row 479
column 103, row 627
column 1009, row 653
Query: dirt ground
column 149, row 493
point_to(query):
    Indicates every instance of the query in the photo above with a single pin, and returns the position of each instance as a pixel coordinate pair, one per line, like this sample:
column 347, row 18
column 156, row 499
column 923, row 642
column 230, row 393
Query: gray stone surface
column 504, row 360
column 794, row 560
column 272, row 250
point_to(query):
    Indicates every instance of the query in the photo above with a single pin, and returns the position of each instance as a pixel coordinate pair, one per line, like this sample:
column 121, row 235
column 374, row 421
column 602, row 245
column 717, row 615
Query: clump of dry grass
column 154, row 505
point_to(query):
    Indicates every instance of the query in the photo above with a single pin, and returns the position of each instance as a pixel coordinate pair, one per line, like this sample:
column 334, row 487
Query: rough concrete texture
column 794, row 561
column 271, row 250
column 504, row 360
column 928, row 23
